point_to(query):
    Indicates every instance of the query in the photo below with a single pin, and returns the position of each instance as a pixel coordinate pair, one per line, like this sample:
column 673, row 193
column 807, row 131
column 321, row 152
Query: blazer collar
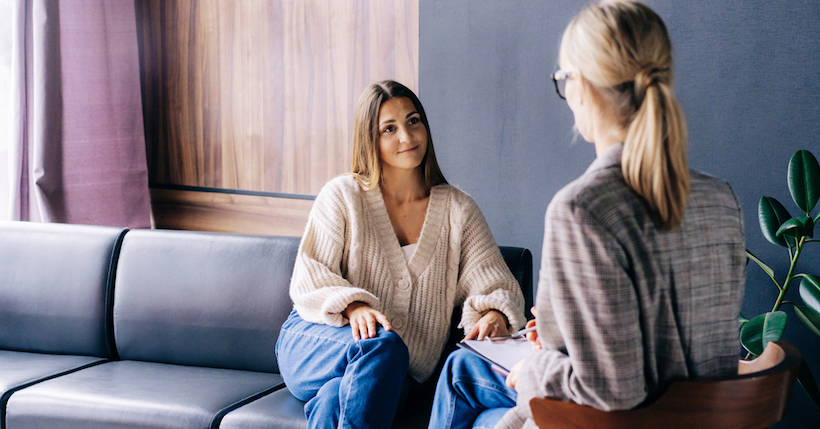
column 610, row 158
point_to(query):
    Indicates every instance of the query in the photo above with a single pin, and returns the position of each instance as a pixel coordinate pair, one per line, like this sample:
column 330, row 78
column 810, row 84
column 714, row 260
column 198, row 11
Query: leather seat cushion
column 278, row 410
column 20, row 368
column 135, row 395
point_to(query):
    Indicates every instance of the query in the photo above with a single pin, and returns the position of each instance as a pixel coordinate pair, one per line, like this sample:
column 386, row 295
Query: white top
column 350, row 252
column 408, row 250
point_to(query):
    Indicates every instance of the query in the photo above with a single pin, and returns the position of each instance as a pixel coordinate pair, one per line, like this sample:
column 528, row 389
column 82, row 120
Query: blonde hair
column 623, row 50
column 366, row 165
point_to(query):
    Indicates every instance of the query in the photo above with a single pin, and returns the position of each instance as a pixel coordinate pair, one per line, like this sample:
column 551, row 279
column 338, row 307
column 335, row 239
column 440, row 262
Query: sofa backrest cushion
column 203, row 299
column 55, row 283
column 519, row 260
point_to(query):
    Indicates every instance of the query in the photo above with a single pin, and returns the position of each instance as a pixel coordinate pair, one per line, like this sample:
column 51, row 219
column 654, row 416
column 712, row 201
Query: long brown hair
column 622, row 48
column 366, row 165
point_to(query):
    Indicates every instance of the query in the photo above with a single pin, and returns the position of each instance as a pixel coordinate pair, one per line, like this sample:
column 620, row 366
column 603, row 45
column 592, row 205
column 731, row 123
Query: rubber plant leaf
column 772, row 214
column 760, row 263
column 810, row 292
column 761, row 329
column 804, row 180
column 809, row 317
column 797, row 227
column 806, row 379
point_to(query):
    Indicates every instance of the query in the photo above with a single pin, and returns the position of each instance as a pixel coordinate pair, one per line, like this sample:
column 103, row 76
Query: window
column 6, row 16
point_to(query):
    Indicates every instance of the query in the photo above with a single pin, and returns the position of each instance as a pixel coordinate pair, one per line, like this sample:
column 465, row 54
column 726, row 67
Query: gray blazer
column 623, row 307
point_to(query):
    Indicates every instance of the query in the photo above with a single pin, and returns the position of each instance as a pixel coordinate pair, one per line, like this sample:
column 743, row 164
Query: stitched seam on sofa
column 108, row 315
column 216, row 420
column 6, row 396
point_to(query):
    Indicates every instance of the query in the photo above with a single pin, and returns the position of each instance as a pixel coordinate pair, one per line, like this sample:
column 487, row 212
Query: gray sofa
column 102, row 327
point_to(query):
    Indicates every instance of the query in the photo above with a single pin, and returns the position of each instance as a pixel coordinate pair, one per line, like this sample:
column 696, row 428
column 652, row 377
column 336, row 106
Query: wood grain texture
column 259, row 95
column 232, row 213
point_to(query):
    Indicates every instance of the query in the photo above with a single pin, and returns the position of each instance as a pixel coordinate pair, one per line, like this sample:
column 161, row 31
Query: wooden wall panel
column 259, row 95
column 222, row 212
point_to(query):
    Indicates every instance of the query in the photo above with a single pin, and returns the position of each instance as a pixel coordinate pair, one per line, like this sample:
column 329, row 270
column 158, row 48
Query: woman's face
column 402, row 135
column 579, row 104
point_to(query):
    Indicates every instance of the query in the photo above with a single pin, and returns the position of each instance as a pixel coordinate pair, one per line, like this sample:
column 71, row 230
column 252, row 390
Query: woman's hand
column 533, row 336
column 363, row 319
column 492, row 324
column 512, row 377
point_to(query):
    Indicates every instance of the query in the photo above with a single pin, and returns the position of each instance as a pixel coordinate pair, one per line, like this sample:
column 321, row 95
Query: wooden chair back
column 756, row 398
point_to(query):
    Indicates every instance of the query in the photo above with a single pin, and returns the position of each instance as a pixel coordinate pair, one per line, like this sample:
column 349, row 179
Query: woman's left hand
column 512, row 377
column 492, row 324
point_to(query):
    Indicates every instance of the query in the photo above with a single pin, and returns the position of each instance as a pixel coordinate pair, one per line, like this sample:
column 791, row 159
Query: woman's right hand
column 533, row 336
column 363, row 319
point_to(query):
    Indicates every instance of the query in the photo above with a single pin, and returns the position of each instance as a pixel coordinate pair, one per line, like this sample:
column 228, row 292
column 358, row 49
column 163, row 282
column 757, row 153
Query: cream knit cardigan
column 349, row 252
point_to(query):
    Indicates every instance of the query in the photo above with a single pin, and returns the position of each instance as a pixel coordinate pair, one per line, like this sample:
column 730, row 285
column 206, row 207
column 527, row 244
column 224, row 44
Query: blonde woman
column 643, row 263
column 389, row 250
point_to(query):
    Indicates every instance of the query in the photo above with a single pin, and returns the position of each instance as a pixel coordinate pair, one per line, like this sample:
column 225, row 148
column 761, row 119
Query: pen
column 520, row 334
column 523, row 332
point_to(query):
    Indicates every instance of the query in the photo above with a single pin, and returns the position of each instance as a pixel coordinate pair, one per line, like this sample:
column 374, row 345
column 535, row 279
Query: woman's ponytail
column 654, row 158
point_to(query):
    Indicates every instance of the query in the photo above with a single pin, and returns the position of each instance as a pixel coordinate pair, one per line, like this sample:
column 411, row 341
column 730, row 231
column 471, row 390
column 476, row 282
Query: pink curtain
column 77, row 151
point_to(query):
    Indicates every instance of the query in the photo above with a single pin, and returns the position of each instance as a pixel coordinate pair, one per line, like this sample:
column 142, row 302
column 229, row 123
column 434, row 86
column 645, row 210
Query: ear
column 582, row 87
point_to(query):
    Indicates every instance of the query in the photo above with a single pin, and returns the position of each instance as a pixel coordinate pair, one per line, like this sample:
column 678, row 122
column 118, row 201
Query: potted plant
column 793, row 234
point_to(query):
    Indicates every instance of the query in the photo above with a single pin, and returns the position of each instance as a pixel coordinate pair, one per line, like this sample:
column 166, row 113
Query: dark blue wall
column 745, row 75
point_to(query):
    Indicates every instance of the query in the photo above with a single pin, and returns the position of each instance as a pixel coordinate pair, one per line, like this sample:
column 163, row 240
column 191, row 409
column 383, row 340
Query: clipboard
column 502, row 355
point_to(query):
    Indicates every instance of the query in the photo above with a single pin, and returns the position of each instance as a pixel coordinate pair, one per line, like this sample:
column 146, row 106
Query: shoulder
column 459, row 203
column 346, row 184
column 456, row 198
column 597, row 194
column 340, row 196
column 713, row 205
column 709, row 188
column 339, row 189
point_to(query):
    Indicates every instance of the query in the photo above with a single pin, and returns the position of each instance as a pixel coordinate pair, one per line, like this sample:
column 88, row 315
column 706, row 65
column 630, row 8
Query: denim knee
column 390, row 349
column 459, row 362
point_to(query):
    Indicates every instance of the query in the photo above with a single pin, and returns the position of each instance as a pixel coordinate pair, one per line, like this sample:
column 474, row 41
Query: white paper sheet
column 504, row 354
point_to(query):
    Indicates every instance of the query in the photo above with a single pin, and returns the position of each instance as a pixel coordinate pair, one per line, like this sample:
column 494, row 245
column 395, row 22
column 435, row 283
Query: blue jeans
column 345, row 383
column 469, row 394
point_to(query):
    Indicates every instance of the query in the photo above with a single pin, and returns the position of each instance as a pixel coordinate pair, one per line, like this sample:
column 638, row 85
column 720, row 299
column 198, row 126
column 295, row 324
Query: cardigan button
column 398, row 323
column 404, row 284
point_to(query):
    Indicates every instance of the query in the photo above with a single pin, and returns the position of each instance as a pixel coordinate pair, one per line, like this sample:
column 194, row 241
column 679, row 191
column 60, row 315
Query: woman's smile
column 410, row 149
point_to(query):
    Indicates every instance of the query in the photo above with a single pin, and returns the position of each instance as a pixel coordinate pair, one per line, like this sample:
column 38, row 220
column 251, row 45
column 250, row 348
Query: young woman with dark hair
column 389, row 249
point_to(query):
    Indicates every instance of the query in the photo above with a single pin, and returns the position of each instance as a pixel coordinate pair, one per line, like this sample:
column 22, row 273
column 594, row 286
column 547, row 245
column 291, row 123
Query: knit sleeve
column 318, row 288
column 484, row 278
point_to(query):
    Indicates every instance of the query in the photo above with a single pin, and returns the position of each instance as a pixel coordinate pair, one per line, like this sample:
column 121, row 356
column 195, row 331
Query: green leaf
column 772, row 214
column 809, row 317
column 762, row 265
column 797, row 227
column 741, row 320
column 761, row 329
column 810, row 291
column 806, row 379
column 804, row 180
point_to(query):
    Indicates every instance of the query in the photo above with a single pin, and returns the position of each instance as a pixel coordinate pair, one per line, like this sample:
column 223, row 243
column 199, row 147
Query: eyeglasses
column 559, row 78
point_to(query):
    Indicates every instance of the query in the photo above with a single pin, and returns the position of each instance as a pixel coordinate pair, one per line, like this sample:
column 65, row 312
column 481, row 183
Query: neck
column 602, row 144
column 403, row 185
column 607, row 130
column 606, row 133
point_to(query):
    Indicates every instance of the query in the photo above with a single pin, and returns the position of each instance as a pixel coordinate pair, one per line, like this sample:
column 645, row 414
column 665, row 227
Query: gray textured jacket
column 623, row 307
